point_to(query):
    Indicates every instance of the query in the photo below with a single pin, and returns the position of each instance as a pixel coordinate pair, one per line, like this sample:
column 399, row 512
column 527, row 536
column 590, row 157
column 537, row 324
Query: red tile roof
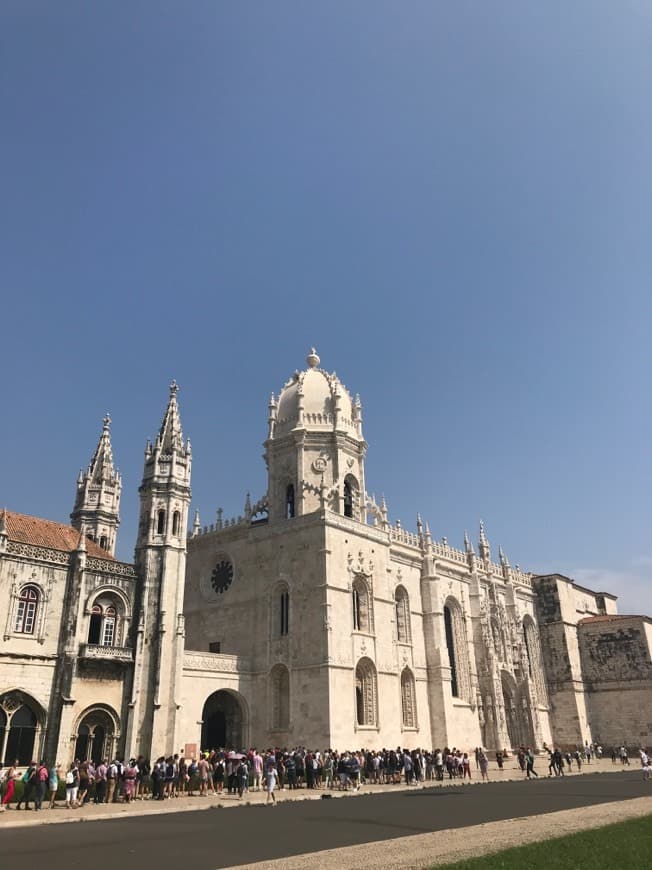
column 44, row 533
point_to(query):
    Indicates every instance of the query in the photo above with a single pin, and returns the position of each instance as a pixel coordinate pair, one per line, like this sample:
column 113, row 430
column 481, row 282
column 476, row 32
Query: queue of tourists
column 218, row 772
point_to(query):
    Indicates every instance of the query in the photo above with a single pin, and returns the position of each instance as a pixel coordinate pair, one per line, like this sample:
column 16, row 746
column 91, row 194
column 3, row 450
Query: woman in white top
column 271, row 776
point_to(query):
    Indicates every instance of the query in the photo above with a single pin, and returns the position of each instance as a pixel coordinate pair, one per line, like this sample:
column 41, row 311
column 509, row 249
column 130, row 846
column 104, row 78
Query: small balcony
column 106, row 653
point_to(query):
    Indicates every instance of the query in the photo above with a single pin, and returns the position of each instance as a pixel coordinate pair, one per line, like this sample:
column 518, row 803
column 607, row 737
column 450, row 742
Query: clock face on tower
column 222, row 575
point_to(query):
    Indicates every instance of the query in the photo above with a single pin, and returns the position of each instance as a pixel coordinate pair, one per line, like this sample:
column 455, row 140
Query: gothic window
column 408, row 699
column 28, row 602
column 284, row 614
column 104, row 623
column 458, row 654
column 366, row 694
column 160, row 523
column 176, row 523
column 362, row 607
column 280, row 690
column 289, row 501
column 402, row 606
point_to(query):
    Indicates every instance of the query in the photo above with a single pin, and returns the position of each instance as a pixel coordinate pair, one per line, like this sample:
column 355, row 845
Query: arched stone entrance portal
column 224, row 721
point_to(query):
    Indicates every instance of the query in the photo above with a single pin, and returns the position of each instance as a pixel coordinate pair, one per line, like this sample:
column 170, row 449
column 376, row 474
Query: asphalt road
column 205, row 840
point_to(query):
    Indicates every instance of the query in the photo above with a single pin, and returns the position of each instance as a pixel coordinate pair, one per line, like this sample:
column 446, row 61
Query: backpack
column 69, row 778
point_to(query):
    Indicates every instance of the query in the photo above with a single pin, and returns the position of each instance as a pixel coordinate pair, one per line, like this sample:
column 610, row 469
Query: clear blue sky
column 451, row 200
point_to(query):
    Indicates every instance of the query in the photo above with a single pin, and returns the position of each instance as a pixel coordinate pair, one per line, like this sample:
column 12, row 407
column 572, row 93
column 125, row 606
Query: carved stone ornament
column 11, row 702
column 362, row 566
column 320, row 464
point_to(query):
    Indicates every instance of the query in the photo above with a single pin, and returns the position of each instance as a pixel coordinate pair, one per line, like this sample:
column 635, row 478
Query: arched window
column 402, row 606
column 176, row 523
column 289, row 501
column 362, row 607
column 27, row 609
column 103, row 542
column 160, row 523
column 408, row 699
column 458, row 654
column 280, row 690
column 366, row 694
column 284, row 622
column 104, row 623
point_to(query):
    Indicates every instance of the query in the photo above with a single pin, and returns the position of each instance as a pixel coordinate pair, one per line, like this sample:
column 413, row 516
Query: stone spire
column 483, row 545
column 170, row 436
column 470, row 552
column 97, row 500
column 196, row 526
column 101, row 466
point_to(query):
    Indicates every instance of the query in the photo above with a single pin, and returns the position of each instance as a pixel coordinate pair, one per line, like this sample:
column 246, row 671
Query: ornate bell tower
column 97, row 502
column 161, row 567
column 315, row 450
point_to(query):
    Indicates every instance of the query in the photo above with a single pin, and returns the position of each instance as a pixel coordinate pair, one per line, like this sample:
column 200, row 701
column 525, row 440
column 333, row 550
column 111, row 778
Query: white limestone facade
column 309, row 620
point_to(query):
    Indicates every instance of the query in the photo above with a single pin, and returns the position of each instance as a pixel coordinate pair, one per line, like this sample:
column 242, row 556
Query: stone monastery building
column 310, row 620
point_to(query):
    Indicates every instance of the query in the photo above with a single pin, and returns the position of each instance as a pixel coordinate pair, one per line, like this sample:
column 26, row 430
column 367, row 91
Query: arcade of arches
column 96, row 736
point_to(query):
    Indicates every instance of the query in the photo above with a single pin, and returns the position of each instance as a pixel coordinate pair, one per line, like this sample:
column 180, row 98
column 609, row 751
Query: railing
column 106, row 653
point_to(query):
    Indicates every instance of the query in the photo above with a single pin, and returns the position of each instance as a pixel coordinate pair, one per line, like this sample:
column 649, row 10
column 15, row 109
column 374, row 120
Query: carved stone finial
column 312, row 359
column 174, row 388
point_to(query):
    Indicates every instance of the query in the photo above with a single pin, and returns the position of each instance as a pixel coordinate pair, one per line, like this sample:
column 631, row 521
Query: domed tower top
column 315, row 448
column 316, row 401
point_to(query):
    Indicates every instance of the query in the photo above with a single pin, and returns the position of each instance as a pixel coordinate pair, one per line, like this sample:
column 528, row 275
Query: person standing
column 10, row 785
column 53, row 785
column 242, row 775
column 270, row 776
column 484, row 765
column 258, row 769
column 72, row 785
column 529, row 764
column 29, row 785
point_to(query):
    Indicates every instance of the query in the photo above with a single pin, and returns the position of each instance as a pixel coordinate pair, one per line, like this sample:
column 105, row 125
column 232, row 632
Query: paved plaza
column 170, row 833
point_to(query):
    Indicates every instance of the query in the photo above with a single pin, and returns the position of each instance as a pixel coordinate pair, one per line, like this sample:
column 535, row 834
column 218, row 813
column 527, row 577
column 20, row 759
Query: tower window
column 285, row 613
column 289, row 502
column 176, row 522
column 103, row 542
column 160, row 523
